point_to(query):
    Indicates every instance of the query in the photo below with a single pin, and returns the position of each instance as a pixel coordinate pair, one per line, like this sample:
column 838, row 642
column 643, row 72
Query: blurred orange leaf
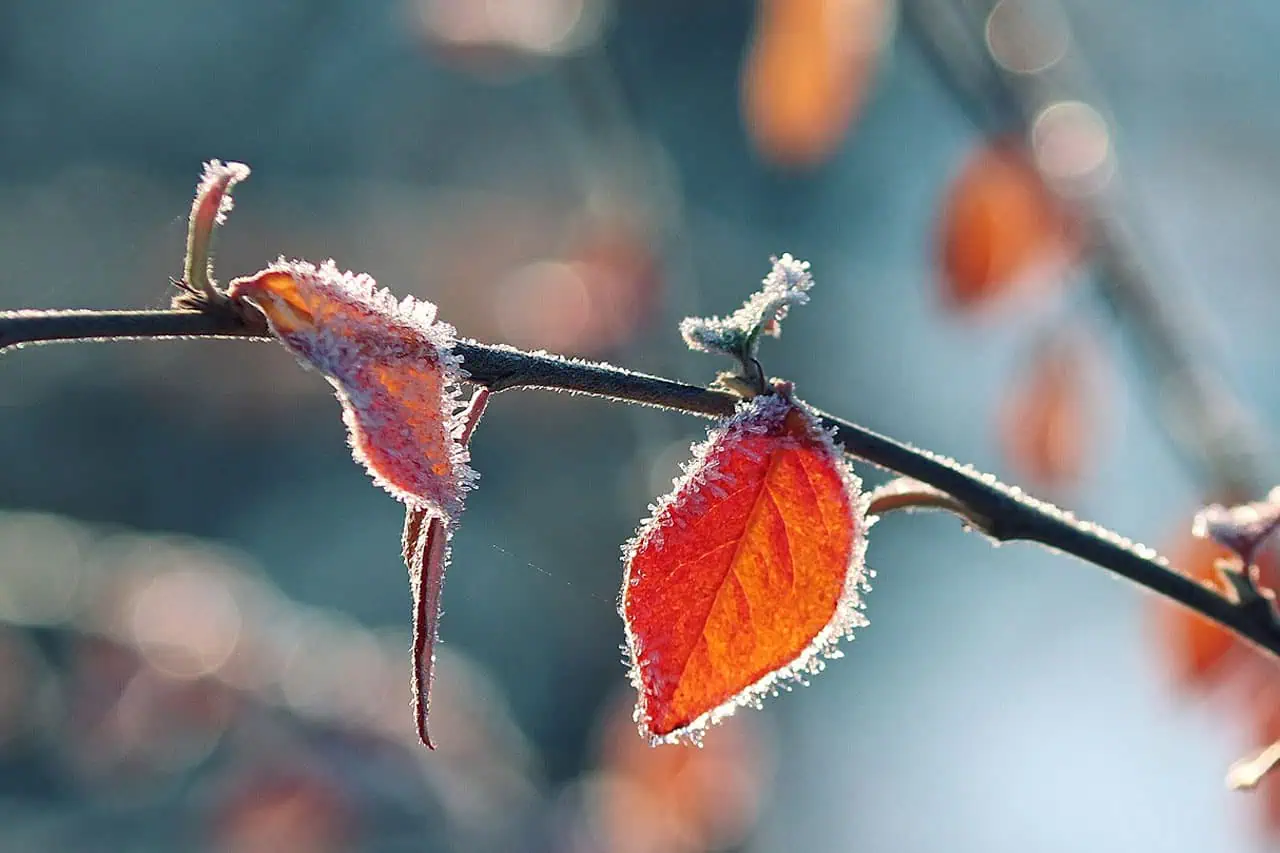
column 1195, row 646
column 1000, row 225
column 684, row 798
column 1045, row 423
column 392, row 366
column 747, row 573
column 807, row 73
column 397, row 379
column 283, row 808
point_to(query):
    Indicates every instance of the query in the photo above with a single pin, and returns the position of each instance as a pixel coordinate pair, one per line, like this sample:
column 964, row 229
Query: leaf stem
column 1010, row 514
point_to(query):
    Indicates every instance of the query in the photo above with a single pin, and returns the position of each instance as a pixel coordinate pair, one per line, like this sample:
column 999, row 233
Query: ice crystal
column 737, row 335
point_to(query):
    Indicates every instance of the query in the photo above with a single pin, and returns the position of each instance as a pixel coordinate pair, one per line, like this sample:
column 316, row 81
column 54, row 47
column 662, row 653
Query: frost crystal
column 393, row 367
column 787, row 284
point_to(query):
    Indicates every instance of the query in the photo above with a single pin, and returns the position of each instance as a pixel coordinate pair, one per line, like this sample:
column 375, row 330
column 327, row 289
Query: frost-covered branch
column 1008, row 513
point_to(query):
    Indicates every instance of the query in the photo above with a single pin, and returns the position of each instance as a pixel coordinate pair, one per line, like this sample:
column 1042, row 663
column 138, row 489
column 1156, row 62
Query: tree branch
column 1203, row 420
column 1010, row 515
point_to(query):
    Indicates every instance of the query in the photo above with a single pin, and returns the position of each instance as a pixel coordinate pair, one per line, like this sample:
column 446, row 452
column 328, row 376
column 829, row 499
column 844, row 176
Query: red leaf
column 1001, row 225
column 425, row 544
column 747, row 574
column 392, row 365
column 397, row 378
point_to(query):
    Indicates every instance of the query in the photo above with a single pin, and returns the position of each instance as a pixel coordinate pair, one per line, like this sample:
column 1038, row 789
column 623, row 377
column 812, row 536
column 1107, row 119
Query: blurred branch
column 1005, row 513
column 1203, row 420
column 958, row 61
column 1247, row 773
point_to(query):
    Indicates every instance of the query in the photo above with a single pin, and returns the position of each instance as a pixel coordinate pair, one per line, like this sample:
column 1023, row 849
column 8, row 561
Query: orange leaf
column 1045, row 422
column 748, row 573
column 397, row 378
column 1001, row 225
column 806, row 74
column 683, row 798
column 393, row 368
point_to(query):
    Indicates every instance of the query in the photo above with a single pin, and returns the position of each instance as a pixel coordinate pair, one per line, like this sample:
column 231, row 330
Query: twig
column 1246, row 773
column 903, row 494
column 1009, row 514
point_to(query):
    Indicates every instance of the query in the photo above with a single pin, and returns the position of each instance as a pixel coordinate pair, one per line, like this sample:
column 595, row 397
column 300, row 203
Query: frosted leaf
column 209, row 210
column 1243, row 528
column 658, row 623
column 213, row 195
column 737, row 335
column 397, row 377
column 393, row 367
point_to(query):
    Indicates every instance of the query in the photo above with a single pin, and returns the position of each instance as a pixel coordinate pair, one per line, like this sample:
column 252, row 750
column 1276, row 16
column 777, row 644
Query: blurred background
column 1036, row 230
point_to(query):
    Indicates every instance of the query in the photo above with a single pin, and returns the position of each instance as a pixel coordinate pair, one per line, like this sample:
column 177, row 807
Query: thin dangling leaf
column 426, row 563
column 425, row 544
